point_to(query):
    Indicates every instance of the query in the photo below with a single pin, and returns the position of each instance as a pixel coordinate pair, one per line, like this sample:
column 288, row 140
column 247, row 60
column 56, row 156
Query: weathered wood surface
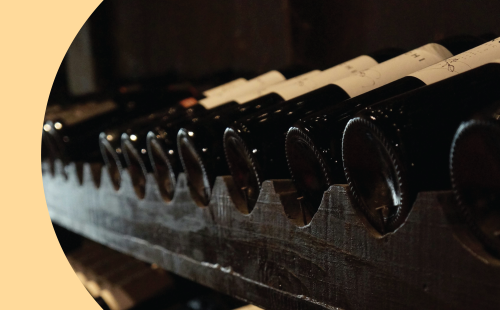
column 263, row 258
column 120, row 280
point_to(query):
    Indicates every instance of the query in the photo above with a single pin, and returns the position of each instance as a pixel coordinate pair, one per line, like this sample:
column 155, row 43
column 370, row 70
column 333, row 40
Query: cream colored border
column 35, row 35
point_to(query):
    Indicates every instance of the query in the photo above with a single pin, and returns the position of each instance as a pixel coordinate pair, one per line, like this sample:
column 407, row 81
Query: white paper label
column 348, row 68
column 460, row 63
column 393, row 69
column 221, row 89
column 275, row 87
column 255, row 84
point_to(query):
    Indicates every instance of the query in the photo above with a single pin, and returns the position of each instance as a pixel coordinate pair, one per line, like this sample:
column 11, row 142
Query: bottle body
column 475, row 176
column 162, row 152
column 396, row 148
column 134, row 148
column 164, row 148
column 254, row 146
column 126, row 143
column 73, row 135
column 313, row 145
column 210, row 159
column 141, row 157
column 110, row 139
column 200, row 144
column 267, row 156
column 77, row 128
column 80, row 124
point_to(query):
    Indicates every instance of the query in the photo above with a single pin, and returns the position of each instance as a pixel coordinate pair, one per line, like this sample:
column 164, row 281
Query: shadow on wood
column 264, row 258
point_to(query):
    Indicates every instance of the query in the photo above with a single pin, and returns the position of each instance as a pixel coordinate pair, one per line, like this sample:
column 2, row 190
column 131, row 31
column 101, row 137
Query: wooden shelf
column 431, row 262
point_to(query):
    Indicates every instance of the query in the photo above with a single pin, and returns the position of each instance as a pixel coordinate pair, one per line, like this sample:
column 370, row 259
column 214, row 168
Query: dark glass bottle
column 110, row 140
column 255, row 146
column 130, row 101
column 162, row 141
column 161, row 146
column 134, row 141
column 71, row 137
column 221, row 98
column 75, row 131
column 200, row 144
column 135, row 148
column 399, row 147
column 113, row 152
column 133, row 145
column 313, row 144
column 51, row 114
column 475, row 176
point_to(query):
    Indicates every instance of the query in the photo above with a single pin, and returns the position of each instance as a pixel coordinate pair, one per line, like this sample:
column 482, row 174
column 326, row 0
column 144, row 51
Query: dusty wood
column 81, row 261
column 265, row 259
column 120, row 280
column 249, row 307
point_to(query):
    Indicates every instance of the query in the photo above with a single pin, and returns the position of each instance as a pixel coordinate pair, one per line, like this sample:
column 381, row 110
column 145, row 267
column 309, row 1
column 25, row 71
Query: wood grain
column 263, row 258
column 120, row 280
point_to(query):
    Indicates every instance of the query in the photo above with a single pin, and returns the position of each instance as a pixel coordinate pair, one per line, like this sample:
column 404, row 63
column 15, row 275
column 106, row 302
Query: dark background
column 130, row 40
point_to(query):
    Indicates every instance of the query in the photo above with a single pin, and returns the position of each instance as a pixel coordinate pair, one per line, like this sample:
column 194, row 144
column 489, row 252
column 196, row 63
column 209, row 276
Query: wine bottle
column 191, row 109
column 135, row 149
column 162, row 142
column 475, row 176
column 71, row 137
column 130, row 101
column 110, row 142
column 49, row 150
column 126, row 146
column 75, row 130
column 200, row 143
column 134, row 145
column 45, row 148
column 313, row 144
column 255, row 145
column 110, row 139
column 221, row 98
column 51, row 113
column 396, row 148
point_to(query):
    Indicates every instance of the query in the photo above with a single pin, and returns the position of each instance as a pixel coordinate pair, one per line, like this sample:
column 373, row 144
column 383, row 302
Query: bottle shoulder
column 296, row 108
column 442, row 102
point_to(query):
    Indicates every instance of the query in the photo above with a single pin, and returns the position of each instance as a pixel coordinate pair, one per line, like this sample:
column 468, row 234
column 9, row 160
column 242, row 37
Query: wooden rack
column 431, row 262
column 120, row 280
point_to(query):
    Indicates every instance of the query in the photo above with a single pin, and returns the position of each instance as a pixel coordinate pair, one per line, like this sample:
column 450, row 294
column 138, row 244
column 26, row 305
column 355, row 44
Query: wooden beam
column 334, row 262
